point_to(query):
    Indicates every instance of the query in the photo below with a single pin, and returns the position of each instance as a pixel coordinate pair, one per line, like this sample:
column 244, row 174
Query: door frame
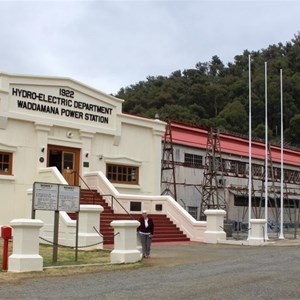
column 76, row 162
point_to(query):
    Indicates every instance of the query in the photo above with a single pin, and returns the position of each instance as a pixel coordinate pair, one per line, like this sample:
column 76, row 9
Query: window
column 5, row 163
column 241, row 168
column 193, row 210
column 192, row 159
column 122, row 174
column 177, row 154
column 242, row 200
column 135, row 206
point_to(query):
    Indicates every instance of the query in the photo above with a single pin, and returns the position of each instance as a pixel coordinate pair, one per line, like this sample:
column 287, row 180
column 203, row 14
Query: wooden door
column 68, row 165
column 66, row 160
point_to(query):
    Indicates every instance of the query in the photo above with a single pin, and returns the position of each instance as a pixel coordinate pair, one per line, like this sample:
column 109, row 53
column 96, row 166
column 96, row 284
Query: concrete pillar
column 25, row 257
column 125, row 242
column 215, row 224
column 257, row 232
column 86, row 153
column 89, row 217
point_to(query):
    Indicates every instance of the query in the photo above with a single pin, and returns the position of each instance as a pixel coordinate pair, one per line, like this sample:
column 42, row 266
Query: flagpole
column 250, row 155
column 281, row 236
column 266, row 153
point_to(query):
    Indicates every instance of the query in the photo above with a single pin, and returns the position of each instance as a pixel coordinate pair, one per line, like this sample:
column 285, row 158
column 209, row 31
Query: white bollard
column 125, row 242
column 257, row 232
column 25, row 257
column 89, row 217
column 215, row 224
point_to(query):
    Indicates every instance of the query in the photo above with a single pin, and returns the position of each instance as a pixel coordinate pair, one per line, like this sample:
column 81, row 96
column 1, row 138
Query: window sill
column 7, row 177
column 127, row 186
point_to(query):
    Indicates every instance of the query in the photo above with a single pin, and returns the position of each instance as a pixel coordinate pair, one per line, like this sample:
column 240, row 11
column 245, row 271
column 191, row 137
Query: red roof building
column 232, row 145
column 190, row 148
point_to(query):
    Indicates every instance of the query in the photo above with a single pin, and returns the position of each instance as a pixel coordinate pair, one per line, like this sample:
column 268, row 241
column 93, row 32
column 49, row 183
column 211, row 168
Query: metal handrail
column 94, row 193
column 103, row 195
column 81, row 179
column 112, row 204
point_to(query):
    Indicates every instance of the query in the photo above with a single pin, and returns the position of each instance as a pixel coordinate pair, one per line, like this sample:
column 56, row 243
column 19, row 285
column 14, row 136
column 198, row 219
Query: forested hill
column 214, row 94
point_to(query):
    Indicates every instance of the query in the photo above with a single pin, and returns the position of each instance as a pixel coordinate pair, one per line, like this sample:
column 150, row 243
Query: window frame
column 115, row 176
column 10, row 162
column 192, row 159
column 193, row 211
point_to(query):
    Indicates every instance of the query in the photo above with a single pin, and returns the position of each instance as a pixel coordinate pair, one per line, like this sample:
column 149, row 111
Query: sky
column 113, row 44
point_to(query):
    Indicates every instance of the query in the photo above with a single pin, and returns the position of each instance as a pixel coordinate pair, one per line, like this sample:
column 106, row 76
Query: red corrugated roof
column 197, row 137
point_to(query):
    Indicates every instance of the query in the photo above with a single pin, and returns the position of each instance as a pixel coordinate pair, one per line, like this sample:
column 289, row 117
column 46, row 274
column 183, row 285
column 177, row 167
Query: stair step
column 164, row 229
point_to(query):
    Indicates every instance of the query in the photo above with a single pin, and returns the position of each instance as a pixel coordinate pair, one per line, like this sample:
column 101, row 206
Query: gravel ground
column 181, row 271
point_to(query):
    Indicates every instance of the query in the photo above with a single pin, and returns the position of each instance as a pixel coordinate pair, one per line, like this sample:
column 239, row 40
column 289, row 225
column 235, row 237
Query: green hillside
column 214, row 94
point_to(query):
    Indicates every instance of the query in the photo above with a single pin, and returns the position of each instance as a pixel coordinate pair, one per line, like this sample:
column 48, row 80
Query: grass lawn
column 87, row 262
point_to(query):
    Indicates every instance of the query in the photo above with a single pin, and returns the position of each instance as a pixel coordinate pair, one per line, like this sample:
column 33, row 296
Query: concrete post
column 215, row 224
column 89, row 217
column 25, row 257
column 257, row 232
column 125, row 242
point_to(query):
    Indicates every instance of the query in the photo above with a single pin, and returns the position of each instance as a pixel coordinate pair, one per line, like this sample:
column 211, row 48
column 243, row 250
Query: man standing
column 146, row 230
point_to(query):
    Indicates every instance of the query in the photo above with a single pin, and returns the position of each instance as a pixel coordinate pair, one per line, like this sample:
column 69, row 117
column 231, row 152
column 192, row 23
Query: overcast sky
column 113, row 44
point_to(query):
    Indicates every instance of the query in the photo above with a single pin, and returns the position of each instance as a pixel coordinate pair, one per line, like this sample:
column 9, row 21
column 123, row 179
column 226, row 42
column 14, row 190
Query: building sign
column 56, row 197
column 60, row 102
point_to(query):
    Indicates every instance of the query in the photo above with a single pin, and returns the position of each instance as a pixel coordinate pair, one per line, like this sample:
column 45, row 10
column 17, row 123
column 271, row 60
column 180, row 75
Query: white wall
column 125, row 139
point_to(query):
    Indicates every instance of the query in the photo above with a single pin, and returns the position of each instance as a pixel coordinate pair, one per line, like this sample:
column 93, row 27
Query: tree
column 233, row 117
column 213, row 94
column 177, row 112
column 293, row 132
column 216, row 67
column 259, row 132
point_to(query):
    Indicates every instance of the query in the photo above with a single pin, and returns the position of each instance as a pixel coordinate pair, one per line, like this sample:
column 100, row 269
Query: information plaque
column 69, row 198
column 56, row 197
column 45, row 196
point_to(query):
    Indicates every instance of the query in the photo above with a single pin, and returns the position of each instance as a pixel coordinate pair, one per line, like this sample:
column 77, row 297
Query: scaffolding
column 168, row 176
column 213, row 182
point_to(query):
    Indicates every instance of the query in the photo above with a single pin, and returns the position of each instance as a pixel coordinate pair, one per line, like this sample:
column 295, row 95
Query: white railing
column 153, row 204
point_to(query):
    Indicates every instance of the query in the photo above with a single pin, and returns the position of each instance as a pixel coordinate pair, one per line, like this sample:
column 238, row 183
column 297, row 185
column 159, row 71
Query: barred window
column 5, row 163
column 122, row 174
column 193, row 210
column 177, row 154
column 192, row 159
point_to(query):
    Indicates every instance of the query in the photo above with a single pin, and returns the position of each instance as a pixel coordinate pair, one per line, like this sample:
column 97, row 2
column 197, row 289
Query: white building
column 62, row 123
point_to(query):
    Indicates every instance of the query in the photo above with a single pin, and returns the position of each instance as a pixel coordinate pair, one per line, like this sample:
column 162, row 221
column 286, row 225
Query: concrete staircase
column 164, row 229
